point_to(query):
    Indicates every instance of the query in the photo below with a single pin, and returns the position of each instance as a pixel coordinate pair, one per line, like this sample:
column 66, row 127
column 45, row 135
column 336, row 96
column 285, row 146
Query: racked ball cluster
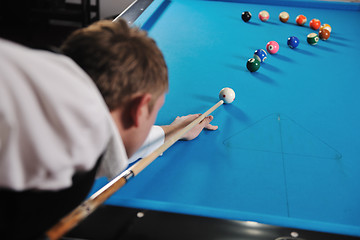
column 272, row 47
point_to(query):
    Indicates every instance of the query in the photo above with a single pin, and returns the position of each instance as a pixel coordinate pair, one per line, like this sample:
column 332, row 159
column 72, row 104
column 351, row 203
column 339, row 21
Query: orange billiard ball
column 315, row 24
column 301, row 20
column 326, row 26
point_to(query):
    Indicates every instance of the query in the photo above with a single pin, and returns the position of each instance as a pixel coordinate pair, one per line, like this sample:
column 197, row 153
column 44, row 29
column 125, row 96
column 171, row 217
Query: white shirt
column 54, row 122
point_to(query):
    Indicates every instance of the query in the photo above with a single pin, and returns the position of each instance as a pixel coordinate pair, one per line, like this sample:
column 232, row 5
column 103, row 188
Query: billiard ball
column 272, row 47
column 293, row 42
column 312, row 38
column 227, row 95
column 253, row 65
column 260, row 55
column 315, row 24
column 324, row 34
column 264, row 16
column 326, row 26
column 246, row 16
column 301, row 20
column 284, row 17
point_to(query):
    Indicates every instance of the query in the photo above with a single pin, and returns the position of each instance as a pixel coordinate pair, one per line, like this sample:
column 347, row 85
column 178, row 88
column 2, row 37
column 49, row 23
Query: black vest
column 29, row 214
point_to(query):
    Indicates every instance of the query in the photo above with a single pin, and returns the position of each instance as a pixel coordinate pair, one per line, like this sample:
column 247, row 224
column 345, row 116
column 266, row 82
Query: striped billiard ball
column 312, row 38
column 260, row 55
column 253, row 65
column 264, row 16
column 301, row 20
column 284, row 17
column 326, row 26
column 293, row 42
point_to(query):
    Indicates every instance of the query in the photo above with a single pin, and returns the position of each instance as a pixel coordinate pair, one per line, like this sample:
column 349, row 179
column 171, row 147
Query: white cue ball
column 227, row 95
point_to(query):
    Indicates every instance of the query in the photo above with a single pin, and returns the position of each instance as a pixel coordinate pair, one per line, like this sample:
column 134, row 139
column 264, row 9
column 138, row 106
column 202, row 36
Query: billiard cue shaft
column 140, row 165
column 125, row 10
column 87, row 207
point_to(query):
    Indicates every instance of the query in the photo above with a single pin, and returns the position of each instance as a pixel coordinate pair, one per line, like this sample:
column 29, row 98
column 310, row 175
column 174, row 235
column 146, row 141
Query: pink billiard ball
column 272, row 47
column 264, row 16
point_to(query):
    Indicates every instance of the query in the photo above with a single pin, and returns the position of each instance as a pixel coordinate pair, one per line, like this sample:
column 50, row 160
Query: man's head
column 128, row 69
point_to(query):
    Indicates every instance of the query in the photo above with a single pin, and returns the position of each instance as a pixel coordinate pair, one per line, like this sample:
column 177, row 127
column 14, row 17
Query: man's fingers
column 206, row 123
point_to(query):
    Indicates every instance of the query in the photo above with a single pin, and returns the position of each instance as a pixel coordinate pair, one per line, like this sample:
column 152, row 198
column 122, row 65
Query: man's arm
column 159, row 134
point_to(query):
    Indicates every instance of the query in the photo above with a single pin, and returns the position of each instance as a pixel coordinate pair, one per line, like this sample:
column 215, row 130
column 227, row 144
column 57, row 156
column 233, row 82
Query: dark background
column 44, row 24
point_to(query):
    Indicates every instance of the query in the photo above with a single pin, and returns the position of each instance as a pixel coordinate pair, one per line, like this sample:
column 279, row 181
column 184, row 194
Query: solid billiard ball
column 325, row 26
column 246, row 16
column 253, row 65
column 264, row 16
column 324, row 34
column 227, row 95
column 284, row 17
column 260, row 55
column 301, row 20
column 312, row 38
column 315, row 24
column 293, row 42
column 272, row 47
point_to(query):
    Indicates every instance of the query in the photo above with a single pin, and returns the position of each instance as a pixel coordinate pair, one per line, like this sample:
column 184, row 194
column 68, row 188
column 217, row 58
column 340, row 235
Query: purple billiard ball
column 260, row 55
column 293, row 42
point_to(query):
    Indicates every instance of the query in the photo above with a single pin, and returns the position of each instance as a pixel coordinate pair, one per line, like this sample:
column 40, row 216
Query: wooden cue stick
column 90, row 205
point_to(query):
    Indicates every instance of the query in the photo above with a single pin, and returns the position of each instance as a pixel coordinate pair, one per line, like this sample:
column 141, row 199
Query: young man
column 130, row 71
column 57, row 133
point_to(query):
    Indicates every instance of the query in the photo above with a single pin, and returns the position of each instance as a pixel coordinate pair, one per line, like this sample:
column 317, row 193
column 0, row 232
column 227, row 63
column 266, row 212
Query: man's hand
column 181, row 122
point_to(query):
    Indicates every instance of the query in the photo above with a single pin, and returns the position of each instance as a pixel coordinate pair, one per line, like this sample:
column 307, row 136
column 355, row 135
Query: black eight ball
column 246, row 16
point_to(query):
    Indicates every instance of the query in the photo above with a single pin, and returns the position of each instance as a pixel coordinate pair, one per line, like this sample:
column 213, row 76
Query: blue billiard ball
column 260, row 55
column 293, row 42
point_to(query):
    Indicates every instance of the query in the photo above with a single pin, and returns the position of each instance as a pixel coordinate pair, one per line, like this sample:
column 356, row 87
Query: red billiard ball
column 301, row 20
column 315, row 24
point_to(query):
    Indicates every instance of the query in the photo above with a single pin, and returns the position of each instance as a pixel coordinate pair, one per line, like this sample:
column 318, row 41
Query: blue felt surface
column 287, row 150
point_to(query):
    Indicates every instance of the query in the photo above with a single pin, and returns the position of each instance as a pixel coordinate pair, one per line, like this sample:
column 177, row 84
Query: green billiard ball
column 253, row 65
column 312, row 38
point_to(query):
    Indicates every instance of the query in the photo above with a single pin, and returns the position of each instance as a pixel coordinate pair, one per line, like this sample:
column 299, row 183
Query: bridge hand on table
column 181, row 122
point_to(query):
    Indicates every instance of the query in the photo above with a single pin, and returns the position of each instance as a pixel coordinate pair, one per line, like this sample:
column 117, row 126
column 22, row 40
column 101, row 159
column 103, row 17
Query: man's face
column 147, row 121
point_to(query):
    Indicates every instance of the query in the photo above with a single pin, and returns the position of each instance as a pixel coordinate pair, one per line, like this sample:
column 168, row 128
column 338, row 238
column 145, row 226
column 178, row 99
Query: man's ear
column 139, row 108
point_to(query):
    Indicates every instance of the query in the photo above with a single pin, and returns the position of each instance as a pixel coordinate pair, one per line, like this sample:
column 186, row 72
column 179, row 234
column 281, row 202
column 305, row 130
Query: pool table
column 287, row 151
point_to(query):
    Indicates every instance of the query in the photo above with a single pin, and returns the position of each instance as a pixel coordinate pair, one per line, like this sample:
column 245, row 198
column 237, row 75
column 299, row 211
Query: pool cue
column 123, row 12
column 90, row 205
